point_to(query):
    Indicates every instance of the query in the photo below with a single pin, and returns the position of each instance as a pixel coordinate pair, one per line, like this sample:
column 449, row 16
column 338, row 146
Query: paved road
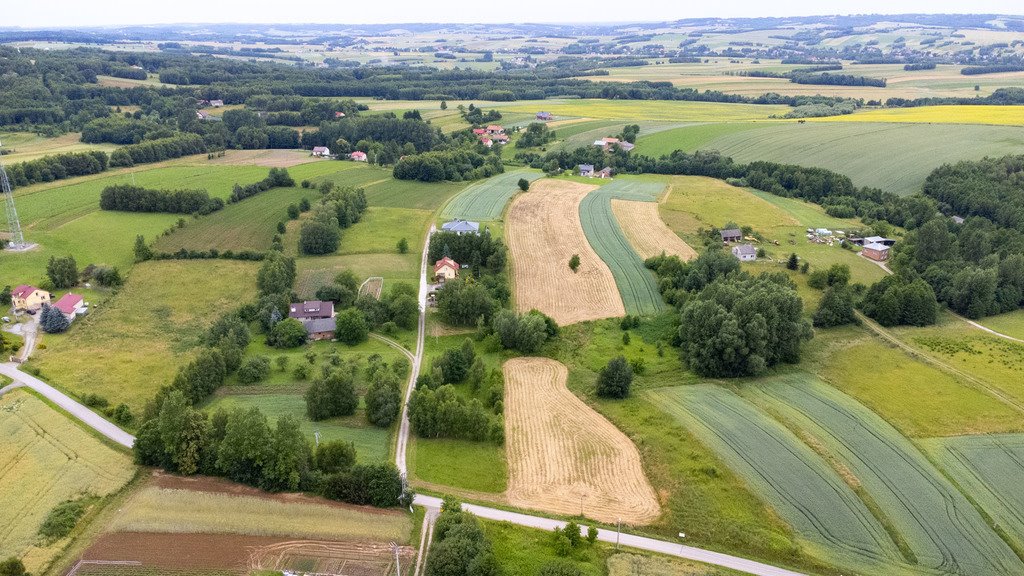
column 87, row 416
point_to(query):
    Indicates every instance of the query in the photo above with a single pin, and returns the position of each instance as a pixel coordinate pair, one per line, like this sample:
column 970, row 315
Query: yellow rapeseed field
column 994, row 115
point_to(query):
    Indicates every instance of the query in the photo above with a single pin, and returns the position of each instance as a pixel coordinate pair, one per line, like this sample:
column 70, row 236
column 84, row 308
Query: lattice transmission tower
column 17, row 239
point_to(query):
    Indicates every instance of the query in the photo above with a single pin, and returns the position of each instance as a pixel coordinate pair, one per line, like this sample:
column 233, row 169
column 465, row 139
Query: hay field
column 936, row 521
column 646, row 231
column 126, row 349
column 561, row 451
column 46, row 459
column 543, row 230
column 802, row 487
column 27, row 146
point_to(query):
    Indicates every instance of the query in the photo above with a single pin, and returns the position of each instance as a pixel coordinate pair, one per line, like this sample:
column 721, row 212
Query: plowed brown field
column 544, row 231
column 562, row 453
column 646, row 231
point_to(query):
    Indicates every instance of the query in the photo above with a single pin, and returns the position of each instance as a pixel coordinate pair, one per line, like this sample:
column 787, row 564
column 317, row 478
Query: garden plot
column 798, row 483
column 563, row 456
column 647, row 233
column 941, row 527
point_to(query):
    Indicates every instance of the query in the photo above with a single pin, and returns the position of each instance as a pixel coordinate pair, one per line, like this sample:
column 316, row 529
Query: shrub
column 288, row 333
column 255, row 369
column 615, row 379
column 61, row 520
column 351, row 327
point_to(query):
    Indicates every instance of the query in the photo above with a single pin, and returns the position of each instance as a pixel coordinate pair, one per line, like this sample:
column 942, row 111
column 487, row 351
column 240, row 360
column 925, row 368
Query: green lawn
column 1011, row 323
column 316, row 271
column 476, row 466
column 524, row 551
column 381, row 228
column 411, row 193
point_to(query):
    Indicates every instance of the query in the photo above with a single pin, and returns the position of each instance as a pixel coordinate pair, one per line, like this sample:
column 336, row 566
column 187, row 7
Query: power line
column 13, row 224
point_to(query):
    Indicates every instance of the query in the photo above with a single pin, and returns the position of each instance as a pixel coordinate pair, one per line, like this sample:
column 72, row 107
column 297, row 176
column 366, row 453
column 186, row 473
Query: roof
column 586, row 167
column 23, row 291
column 876, row 246
column 479, row 131
column 744, row 250
column 494, row 128
column 446, row 261
column 731, row 233
column 321, row 149
column 319, row 325
column 357, row 154
column 605, row 170
column 458, row 225
column 311, row 309
column 877, row 240
column 68, row 303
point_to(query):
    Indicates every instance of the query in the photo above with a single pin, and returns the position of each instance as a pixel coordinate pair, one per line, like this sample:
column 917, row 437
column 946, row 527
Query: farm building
column 587, row 170
column 216, row 103
column 501, row 138
column 339, row 114
column 357, row 156
column 446, row 269
column 607, row 143
column 731, row 235
column 957, row 220
column 745, row 252
column 875, row 251
column 479, row 131
column 311, row 310
column 320, row 328
column 321, row 151
column 822, row 231
column 29, row 298
column 486, row 142
column 545, row 116
column 879, row 240
column 495, row 129
column 605, row 172
column 71, row 305
column 202, row 115
column 460, row 227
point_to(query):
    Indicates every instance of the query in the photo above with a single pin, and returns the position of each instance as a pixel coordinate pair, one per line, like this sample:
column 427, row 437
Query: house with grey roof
column 745, row 252
column 587, row 170
column 460, row 227
column 320, row 328
column 731, row 235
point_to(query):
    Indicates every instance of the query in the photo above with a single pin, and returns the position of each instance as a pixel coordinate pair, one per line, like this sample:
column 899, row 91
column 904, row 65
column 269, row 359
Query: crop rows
column 808, row 494
column 939, row 524
column 486, row 200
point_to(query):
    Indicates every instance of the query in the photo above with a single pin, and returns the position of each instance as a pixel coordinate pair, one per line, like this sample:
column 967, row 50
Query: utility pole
column 398, row 567
column 316, row 436
column 13, row 224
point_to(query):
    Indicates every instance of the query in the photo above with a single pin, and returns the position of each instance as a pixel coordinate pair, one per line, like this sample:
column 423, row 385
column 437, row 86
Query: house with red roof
column 71, row 305
column 486, row 142
column 27, row 297
column 479, row 131
column 495, row 129
column 446, row 269
column 357, row 156
column 339, row 114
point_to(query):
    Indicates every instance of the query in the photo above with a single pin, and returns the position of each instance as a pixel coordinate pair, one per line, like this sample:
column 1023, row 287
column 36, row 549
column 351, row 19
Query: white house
column 71, row 305
column 321, row 151
column 357, row 156
column 745, row 252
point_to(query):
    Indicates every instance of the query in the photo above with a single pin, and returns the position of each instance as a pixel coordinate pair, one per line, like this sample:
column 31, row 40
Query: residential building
column 545, row 116
column 26, row 297
column 745, row 252
column 202, row 115
column 495, row 129
column 320, row 328
column 460, row 226
column 486, row 142
column 339, row 114
column 501, row 138
column 731, row 235
column 357, row 156
column 321, row 151
column 216, row 103
column 479, row 131
column 71, row 305
column 605, row 172
column 879, row 240
column 607, row 143
column 587, row 170
column 446, row 269
column 875, row 251
column 311, row 310
column 957, row 220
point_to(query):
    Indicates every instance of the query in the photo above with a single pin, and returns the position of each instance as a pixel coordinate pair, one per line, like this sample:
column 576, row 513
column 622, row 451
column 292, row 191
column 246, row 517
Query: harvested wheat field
column 646, row 232
column 560, row 450
column 544, row 231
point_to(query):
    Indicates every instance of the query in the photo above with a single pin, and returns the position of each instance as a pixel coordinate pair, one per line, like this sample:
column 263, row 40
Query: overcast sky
column 78, row 13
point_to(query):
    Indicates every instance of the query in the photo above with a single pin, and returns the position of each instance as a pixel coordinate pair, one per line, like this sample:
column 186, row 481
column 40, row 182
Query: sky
column 82, row 13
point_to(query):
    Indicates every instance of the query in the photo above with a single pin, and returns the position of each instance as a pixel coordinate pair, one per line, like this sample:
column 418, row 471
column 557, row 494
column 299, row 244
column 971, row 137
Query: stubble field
column 646, row 231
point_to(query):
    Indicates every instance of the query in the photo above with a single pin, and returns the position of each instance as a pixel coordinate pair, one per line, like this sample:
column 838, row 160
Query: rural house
column 957, row 220
column 495, row 129
column 486, row 142
column 29, row 298
column 745, row 252
column 320, row 328
column 311, row 310
column 216, row 103
column 446, row 269
column 321, row 151
column 479, row 131
column 731, row 235
column 876, row 251
column 607, row 143
column 545, row 116
column 339, row 114
column 357, row 156
column 501, row 138
column 202, row 115
column 879, row 240
column 605, row 172
column 461, row 227
column 71, row 305
column 587, row 170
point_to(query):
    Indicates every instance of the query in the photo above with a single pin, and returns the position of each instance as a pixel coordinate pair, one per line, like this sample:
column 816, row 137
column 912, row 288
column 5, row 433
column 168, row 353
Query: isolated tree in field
column 62, row 272
column 276, row 274
column 615, row 379
column 183, row 433
column 383, row 400
column 444, row 105
column 403, row 246
column 574, row 262
column 317, row 237
column 793, row 263
column 288, row 333
column 247, row 446
column 524, row 184
column 142, row 250
column 12, row 567
column 351, row 327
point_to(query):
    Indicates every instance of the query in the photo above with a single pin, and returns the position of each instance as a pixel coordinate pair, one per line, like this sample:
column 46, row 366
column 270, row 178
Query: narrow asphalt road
column 87, row 416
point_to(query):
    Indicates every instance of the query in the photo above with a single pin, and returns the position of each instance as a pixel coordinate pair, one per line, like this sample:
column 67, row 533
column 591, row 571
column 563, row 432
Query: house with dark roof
column 311, row 310
column 745, row 252
column 587, row 170
column 26, row 297
column 460, row 226
column 71, row 305
column 320, row 328
column 605, row 172
column 545, row 116
column 731, row 235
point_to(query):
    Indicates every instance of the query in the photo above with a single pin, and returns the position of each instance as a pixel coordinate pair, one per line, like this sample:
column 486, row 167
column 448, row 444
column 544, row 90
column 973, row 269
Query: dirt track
column 560, row 449
column 543, row 231
column 646, row 231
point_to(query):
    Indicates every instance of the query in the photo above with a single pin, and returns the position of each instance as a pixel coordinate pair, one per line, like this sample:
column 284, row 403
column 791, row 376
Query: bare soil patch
column 563, row 455
column 646, row 232
column 372, row 286
column 544, row 231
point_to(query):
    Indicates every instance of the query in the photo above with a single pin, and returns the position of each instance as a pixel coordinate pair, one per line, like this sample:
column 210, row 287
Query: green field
column 989, row 468
column 410, row 193
column 939, row 525
column 895, row 156
column 812, row 497
column 1011, row 323
column 635, row 282
column 486, row 200
column 381, row 228
column 475, row 466
column 129, row 347
column 317, row 271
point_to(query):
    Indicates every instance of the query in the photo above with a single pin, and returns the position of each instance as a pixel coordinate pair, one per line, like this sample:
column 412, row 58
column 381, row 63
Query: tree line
column 129, row 198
